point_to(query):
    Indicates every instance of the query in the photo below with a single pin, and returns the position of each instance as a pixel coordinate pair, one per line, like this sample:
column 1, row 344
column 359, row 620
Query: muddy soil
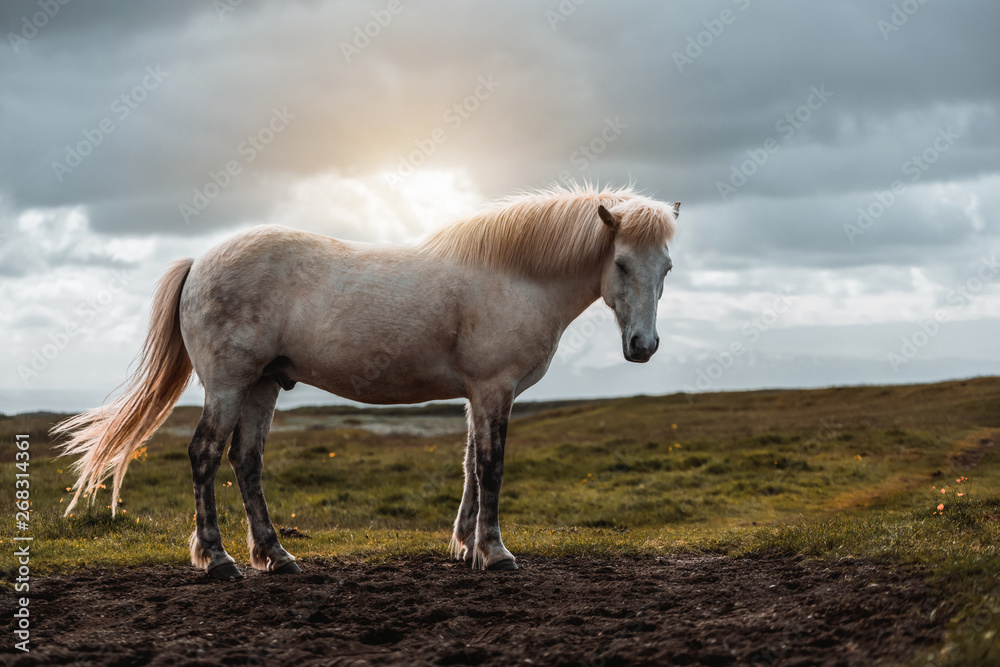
column 677, row 610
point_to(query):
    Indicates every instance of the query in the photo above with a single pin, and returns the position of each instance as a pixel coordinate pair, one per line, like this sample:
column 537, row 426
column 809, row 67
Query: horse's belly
column 376, row 390
column 384, row 376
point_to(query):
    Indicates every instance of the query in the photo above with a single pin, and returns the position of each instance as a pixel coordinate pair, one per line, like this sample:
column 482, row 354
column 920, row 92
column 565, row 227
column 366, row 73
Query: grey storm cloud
column 685, row 128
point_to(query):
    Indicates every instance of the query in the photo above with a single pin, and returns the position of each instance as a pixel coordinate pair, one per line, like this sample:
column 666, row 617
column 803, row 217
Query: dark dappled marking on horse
column 474, row 311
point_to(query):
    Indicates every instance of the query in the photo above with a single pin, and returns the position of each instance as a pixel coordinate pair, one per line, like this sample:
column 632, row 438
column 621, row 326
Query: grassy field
column 851, row 472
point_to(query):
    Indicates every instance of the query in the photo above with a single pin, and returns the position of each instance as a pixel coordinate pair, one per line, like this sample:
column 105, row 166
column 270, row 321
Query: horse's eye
column 621, row 267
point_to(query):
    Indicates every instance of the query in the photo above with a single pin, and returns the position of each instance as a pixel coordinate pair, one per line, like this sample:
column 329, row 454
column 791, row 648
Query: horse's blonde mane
column 552, row 232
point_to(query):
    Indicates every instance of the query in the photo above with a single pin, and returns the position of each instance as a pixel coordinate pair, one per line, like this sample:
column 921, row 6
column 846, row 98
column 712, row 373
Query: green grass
column 852, row 472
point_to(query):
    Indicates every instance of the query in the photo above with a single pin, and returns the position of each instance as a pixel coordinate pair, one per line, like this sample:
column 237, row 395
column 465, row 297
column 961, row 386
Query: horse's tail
column 108, row 436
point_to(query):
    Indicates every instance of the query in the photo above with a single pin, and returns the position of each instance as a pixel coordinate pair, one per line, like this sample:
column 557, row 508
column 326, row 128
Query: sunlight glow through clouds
column 365, row 209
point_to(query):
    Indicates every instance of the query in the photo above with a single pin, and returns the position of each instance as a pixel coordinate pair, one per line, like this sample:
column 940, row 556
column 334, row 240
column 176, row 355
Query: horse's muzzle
column 640, row 349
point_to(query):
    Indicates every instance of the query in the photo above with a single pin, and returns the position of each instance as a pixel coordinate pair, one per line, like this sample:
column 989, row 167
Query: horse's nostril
column 656, row 345
column 633, row 343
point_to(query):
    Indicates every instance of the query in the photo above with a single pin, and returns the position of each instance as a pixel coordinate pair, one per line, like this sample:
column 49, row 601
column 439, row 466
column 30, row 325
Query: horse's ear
column 608, row 217
column 677, row 209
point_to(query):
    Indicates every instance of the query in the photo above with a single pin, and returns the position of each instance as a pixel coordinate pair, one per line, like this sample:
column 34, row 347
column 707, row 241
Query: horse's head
column 633, row 276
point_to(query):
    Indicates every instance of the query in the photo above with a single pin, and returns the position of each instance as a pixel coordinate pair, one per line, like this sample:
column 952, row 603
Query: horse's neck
column 576, row 295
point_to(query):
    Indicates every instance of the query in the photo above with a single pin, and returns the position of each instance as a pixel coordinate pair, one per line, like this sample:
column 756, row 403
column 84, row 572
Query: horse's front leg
column 489, row 416
column 463, row 539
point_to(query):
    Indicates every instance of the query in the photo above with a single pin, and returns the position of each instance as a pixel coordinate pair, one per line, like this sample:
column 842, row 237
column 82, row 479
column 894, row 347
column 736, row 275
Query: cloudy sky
column 838, row 164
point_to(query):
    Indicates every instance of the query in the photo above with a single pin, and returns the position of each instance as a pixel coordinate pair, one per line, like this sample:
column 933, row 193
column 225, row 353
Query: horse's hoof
column 291, row 567
column 225, row 572
column 503, row 566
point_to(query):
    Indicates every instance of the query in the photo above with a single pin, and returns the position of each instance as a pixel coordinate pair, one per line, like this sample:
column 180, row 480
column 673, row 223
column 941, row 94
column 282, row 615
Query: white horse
column 474, row 310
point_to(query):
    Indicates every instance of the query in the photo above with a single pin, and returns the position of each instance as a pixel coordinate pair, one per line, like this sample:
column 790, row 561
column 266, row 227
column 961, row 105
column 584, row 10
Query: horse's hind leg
column 463, row 537
column 217, row 422
column 247, row 458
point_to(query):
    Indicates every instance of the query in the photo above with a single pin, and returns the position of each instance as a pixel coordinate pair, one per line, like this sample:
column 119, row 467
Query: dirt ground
column 683, row 610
